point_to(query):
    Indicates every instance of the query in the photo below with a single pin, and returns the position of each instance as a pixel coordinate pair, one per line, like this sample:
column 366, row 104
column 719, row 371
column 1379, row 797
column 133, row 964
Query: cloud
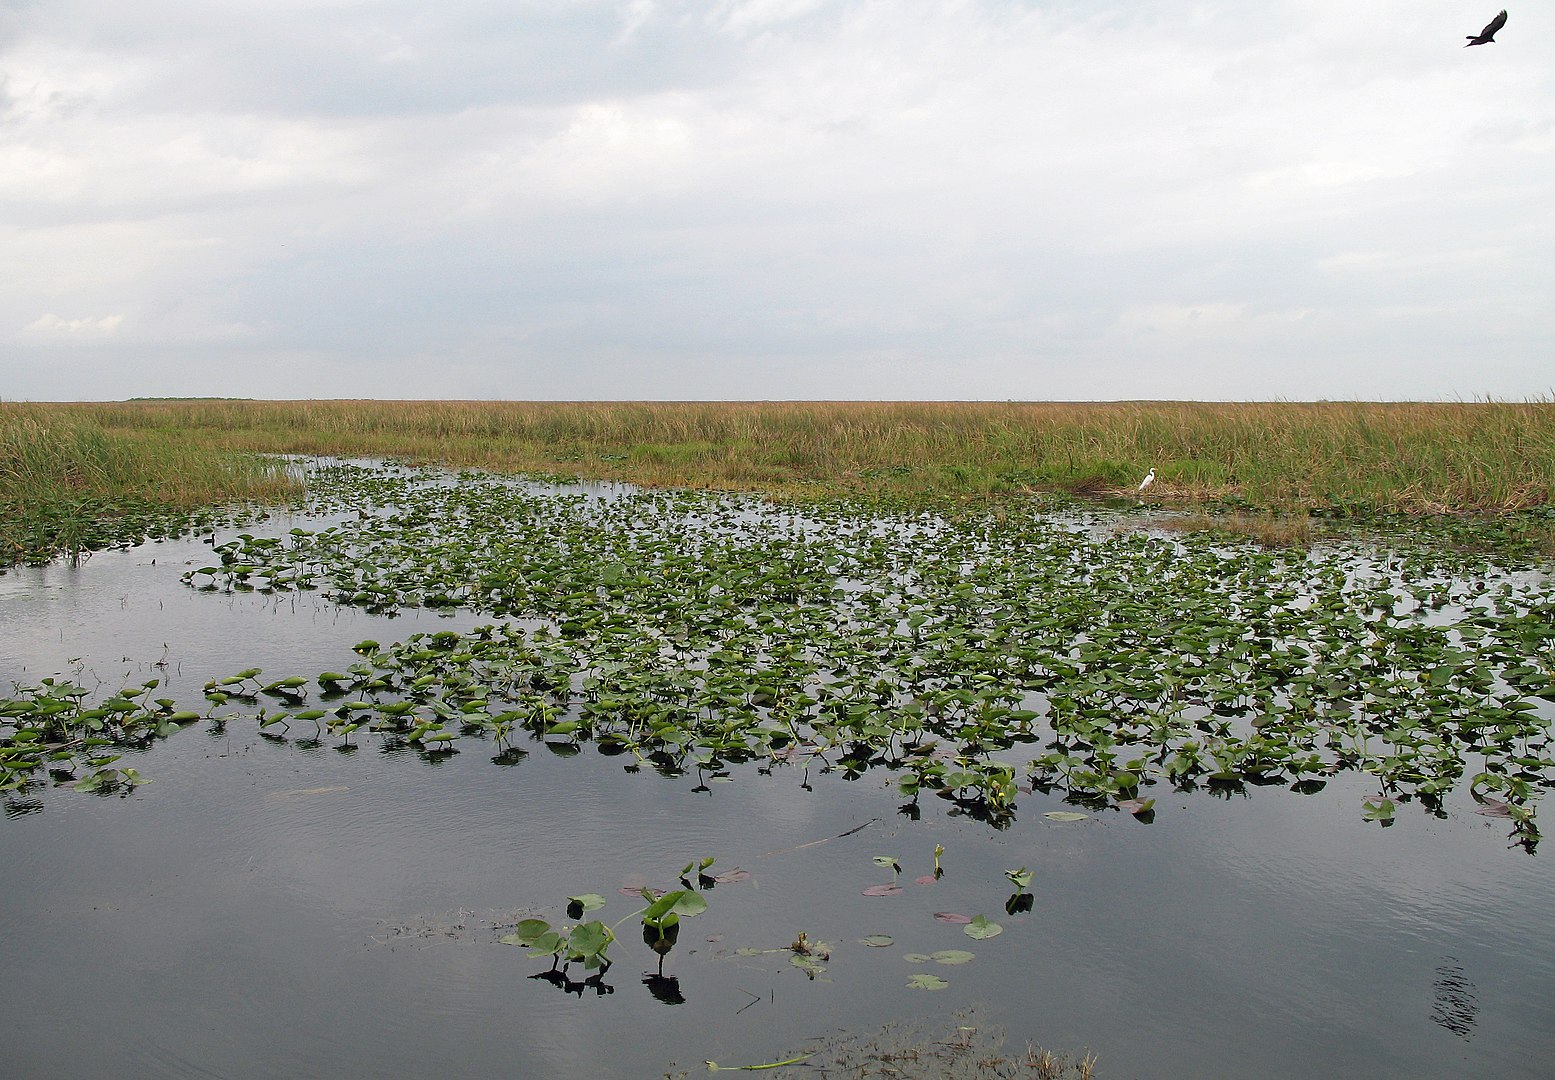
column 50, row 325
column 789, row 198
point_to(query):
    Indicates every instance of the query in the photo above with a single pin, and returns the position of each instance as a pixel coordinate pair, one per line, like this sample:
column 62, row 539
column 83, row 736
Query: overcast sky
column 606, row 199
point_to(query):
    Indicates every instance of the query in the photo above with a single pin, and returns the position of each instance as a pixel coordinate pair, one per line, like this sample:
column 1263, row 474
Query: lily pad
column 951, row 956
column 807, row 964
column 980, row 928
column 1065, row 815
column 882, row 890
column 954, row 918
column 877, row 941
column 926, row 982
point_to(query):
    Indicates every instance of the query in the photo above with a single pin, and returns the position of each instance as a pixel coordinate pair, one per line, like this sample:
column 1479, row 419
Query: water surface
column 262, row 910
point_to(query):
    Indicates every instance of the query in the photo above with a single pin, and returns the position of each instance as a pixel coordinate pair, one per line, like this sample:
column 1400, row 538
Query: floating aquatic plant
column 980, row 928
column 975, row 655
column 588, row 943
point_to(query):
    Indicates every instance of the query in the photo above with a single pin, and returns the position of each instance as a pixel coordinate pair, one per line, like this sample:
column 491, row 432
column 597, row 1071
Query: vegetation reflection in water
column 976, row 654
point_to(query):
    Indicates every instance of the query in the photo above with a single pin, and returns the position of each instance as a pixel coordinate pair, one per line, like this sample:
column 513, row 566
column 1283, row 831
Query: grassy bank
column 80, row 475
column 1328, row 457
column 69, row 485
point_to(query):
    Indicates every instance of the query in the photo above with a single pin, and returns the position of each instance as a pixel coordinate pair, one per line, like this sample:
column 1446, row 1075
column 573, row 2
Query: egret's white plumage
column 1148, row 480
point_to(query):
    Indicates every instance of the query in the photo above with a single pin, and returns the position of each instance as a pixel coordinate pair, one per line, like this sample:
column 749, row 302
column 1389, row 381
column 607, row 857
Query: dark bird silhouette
column 1487, row 36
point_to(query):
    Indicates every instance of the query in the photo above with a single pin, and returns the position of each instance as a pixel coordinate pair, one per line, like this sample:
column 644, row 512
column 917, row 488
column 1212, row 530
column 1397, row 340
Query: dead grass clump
column 962, row 1049
column 1270, row 531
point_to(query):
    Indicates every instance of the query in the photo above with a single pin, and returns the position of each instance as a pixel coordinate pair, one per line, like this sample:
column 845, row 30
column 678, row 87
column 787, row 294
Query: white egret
column 1148, row 480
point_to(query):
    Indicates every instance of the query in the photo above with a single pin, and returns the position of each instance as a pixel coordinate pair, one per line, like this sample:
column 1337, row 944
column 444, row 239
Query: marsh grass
column 1332, row 458
column 67, row 484
column 1267, row 530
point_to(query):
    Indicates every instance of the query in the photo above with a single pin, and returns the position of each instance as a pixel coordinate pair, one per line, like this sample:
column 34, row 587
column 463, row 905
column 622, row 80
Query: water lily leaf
column 926, row 982
column 882, row 890
column 667, row 908
column 952, row 917
column 588, row 940
column 917, row 958
column 528, row 931
column 587, row 902
column 980, row 928
column 807, row 964
column 731, row 876
column 877, row 941
column 1495, row 808
column 690, row 903
column 1065, row 815
column 1136, row 806
column 1381, row 810
column 549, row 943
column 926, row 879
column 951, row 956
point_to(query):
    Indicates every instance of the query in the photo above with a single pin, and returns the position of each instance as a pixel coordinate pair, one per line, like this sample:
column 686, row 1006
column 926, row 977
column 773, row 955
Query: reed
column 68, row 484
column 1335, row 457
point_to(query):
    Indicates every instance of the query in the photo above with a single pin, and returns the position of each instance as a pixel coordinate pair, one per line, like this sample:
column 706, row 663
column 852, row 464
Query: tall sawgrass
column 68, row 484
column 1341, row 456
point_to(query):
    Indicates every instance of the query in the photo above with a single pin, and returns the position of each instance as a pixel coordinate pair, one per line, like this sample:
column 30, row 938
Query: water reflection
column 563, row 981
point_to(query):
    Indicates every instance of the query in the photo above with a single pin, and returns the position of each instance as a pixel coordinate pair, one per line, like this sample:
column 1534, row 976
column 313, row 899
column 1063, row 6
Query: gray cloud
column 773, row 198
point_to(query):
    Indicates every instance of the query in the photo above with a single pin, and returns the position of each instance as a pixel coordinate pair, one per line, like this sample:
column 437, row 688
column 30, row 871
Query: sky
column 776, row 199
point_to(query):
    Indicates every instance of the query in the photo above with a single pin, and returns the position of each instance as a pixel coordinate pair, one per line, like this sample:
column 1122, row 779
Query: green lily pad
column 951, row 956
column 981, row 929
column 529, row 929
column 807, row 964
column 926, row 982
column 1065, row 815
column 877, row 941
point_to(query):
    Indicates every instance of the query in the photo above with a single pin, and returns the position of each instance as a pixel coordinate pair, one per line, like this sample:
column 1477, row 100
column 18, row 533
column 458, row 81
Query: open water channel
column 270, row 907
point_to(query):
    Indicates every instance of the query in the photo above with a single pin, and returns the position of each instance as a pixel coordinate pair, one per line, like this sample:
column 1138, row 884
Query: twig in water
column 822, row 840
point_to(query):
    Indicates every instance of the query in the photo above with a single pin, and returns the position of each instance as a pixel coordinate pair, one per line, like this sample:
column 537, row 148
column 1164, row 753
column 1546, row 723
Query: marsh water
column 290, row 907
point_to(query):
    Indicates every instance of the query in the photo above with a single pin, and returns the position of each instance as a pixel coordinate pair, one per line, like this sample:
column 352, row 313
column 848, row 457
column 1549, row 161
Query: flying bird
column 1148, row 480
column 1487, row 36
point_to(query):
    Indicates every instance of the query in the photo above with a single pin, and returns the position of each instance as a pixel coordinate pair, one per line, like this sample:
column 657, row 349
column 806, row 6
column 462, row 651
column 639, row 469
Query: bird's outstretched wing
column 1488, row 34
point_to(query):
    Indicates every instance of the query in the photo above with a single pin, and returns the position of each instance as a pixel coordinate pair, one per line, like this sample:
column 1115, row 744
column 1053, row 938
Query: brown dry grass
column 1348, row 456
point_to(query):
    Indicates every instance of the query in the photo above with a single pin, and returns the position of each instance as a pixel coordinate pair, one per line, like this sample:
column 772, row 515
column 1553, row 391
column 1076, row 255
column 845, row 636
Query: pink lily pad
column 952, row 917
column 882, row 890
